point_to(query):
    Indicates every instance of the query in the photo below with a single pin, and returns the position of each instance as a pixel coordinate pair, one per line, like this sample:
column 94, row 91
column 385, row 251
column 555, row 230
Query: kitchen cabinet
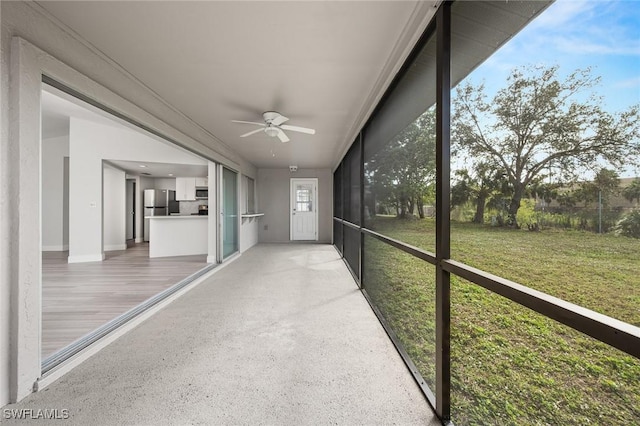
column 185, row 189
column 202, row 182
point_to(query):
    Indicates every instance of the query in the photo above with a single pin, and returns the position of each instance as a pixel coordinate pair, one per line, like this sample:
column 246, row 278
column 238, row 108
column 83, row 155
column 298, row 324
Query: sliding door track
column 51, row 362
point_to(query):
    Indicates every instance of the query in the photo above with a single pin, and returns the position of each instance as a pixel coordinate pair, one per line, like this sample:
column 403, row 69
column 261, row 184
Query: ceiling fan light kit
column 273, row 126
column 271, row 131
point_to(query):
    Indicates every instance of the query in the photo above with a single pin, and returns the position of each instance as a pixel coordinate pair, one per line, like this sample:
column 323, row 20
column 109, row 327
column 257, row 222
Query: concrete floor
column 280, row 336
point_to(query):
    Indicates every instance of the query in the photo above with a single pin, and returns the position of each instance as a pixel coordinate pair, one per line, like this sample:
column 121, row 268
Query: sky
column 604, row 35
column 575, row 34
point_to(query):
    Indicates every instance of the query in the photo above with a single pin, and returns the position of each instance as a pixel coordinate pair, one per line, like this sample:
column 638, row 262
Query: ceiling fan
column 273, row 126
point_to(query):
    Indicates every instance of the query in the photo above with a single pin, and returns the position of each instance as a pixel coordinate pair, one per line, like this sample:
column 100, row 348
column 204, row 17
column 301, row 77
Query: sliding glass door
column 229, row 213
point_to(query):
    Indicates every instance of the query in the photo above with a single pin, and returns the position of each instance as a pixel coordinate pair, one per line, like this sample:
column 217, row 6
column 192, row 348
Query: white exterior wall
column 273, row 194
column 56, row 53
column 248, row 226
column 6, row 268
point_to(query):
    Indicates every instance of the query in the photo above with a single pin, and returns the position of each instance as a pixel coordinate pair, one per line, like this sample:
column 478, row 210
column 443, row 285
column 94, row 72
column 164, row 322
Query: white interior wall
column 114, row 208
column 273, row 200
column 65, row 202
column 90, row 143
column 54, row 200
column 85, row 195
column 165, row 183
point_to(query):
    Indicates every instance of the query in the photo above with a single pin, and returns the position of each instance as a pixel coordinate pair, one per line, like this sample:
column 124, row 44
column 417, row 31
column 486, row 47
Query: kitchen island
column 178, row 235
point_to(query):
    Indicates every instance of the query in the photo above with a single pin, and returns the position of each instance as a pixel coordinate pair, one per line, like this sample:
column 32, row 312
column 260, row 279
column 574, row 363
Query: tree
column 539, row 121
column 632, row 192
column 480, row 187
column 605, row 184
column 404, row 170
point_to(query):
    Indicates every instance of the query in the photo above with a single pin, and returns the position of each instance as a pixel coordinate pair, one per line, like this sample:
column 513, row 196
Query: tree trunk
column 480, row 203
column 411, row 205
column 403, row 206
column 514, row 206
column 420, row 204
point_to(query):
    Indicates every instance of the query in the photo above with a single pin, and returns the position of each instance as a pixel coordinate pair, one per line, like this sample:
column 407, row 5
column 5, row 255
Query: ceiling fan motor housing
column 269, row 116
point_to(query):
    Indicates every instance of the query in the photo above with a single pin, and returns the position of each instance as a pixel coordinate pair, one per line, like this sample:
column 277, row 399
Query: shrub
column 629, row 225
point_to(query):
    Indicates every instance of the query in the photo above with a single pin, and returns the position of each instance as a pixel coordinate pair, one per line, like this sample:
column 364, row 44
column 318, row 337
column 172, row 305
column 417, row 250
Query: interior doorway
column 304, row 209
column 131, row 211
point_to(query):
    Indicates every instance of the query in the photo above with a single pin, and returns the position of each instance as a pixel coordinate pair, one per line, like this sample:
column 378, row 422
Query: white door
column 304, row 209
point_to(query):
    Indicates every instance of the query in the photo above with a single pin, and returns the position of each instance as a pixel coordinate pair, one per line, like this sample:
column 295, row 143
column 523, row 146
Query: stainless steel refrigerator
column 158, row 202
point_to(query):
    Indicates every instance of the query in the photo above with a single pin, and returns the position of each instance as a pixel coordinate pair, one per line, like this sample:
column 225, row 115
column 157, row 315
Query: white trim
column 315, row 203
column 26, row 287
column 87, row 258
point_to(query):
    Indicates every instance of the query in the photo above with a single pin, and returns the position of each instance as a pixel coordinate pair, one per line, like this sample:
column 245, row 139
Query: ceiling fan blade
column 299, row 129
column 279, row 120
column 248, row 122
column 251, row 133
column 282, row 136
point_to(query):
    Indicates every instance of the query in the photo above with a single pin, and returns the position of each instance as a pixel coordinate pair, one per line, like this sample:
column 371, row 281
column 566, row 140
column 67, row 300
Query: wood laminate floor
column 77, row 298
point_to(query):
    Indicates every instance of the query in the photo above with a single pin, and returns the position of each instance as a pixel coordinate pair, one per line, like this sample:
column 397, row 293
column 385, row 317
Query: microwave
column 202, row 194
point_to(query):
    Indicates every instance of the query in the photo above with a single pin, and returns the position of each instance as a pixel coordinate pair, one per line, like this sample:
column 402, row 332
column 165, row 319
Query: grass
column 511, row 365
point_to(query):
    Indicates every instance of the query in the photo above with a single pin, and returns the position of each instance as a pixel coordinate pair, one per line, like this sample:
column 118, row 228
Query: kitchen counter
column 178, row 235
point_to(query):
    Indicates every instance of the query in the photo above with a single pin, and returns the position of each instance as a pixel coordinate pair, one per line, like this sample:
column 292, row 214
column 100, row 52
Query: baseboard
column 86, row 258
column 212, row 259
column 114, row 247
column 56, row 248
column 138, row 239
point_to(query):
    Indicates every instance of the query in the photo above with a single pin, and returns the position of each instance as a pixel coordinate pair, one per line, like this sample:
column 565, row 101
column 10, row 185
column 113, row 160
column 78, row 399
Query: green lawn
column 509, row 364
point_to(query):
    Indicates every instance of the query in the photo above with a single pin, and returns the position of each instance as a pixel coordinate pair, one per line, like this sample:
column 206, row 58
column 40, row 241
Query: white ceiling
column 161, row 170
column 320, row 63
column 57, row 107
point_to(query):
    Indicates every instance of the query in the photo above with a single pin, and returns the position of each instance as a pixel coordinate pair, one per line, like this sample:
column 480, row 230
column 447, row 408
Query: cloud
column 587, row 45
column 630, row 83
column 587, row 28
column 563, row 13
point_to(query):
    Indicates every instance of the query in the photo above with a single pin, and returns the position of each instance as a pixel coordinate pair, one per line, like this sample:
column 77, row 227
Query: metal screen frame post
column 362, row 206
column 443, row 225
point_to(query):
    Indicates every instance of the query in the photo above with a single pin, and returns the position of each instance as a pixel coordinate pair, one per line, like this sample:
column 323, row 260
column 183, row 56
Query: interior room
column 87, row 285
